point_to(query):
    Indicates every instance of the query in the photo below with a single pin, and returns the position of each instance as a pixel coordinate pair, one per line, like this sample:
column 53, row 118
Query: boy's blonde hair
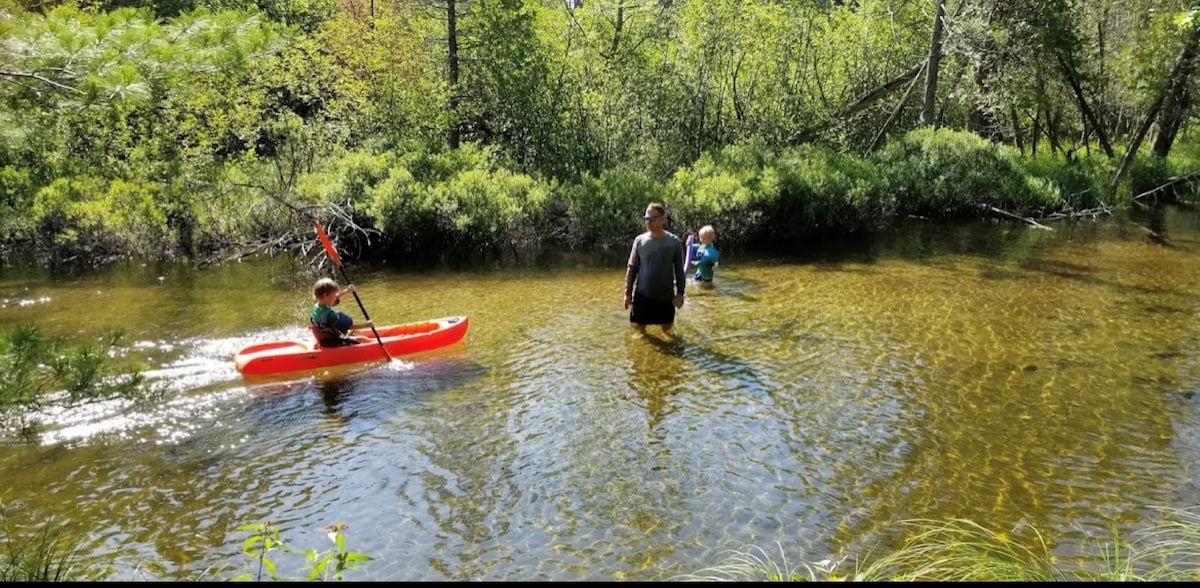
column 708, row 230
column 324, row 286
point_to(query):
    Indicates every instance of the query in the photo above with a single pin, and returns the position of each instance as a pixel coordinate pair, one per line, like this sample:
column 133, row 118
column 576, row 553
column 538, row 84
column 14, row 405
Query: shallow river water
column 806, row 406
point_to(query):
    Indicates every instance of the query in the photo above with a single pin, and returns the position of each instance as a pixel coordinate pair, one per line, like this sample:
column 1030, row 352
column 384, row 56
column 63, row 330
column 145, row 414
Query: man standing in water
column 656, row 268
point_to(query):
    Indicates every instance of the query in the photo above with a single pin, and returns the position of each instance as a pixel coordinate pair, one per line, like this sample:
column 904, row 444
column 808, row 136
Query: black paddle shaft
column 346, row 277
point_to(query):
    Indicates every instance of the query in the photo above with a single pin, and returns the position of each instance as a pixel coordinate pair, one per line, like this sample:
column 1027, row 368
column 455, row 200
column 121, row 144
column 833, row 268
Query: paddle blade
column 325, row 242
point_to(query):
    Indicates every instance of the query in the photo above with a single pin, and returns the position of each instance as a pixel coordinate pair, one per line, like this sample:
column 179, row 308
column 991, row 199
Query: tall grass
column 962, row 550
column 45, row 555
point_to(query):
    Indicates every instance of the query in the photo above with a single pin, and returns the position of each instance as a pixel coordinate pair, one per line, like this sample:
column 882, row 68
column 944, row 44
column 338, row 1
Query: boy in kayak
column 654, row 276
column 330, row 327
column 706, row 257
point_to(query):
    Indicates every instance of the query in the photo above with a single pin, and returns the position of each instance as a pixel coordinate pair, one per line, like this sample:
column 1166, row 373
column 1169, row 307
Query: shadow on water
column 923, row 241
column 353, row 392
column 665, row 365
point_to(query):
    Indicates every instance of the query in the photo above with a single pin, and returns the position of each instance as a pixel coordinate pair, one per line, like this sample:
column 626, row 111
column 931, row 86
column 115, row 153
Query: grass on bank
column 43, row 556
column 961, row 550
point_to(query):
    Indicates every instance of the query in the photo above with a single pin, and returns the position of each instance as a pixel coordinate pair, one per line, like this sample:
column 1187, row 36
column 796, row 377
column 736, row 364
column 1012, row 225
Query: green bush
column 16, row 195
column 403, row 210
column 606, row 210
column 36, row 366
column 947, row 174
column 750, row 193
column 731, row 189
column 431, row 167
column 475, row 208
column 824, row 191
column 1148, row 173
column 1083, row 182
column 479, row 208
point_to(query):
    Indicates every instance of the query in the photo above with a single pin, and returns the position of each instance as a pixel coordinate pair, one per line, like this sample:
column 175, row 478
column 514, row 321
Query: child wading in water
column 706, row 257
column 330, row 327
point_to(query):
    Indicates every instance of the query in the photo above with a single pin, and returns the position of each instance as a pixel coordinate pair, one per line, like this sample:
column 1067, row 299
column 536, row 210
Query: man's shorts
column 648, row 311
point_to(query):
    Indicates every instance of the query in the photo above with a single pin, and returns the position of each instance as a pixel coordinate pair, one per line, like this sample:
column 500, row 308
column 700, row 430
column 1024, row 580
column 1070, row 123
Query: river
column 807, row 405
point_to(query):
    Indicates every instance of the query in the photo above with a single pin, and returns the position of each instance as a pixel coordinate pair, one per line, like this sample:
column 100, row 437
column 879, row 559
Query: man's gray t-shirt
column 656, row 263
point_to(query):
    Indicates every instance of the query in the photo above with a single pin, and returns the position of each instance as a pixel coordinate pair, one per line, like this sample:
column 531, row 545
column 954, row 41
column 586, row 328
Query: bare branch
column 1190, row 179
column 10, row 75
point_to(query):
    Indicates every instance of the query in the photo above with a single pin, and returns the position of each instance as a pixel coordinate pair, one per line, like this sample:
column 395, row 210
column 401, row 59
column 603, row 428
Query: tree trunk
column 1135, row 143
column 1018, row 138
column 453, row 137
column 981, row 120
column 895, row 113
column 618, row 24
column 1178, row 95
column 1088, row 116
column 806, row 134
column 932, row 64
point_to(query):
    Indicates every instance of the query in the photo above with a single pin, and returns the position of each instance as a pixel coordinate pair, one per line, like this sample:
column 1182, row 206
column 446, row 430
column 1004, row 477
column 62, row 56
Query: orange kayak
column 279, row 357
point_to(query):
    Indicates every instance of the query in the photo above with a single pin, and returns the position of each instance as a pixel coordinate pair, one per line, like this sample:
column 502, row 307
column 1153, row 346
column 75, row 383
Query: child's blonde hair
column 708, row 230
column 324, row 286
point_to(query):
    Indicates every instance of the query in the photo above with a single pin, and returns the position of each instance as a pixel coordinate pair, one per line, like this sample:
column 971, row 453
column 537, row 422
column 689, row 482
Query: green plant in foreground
column 961, row 550
column 46, row 556
column 37, row 367
column 958, row 550
column 753, row 564
column 322, row 565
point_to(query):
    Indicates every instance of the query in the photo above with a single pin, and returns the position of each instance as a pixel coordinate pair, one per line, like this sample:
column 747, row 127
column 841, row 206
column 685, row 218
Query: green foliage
column 479, row 208
column 400, row 86
column 508, row 102
column 456, row 199
column 37, row 366
column 352, row 179
column 109, row 153
column 439, row 165
column 942, row 173
column 305, row 15
column 1082, row 182
column 750, row 193
column 184, row 128
column 16, row 196
column 607, row 210
column 98, row 218
column 402, row 209
column 87, row 57
column 731, row 189
column 825, row 191
column 1147, row 173
column 23, row 348
column 86, row 371
column 43, row 555
column 331, row 564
